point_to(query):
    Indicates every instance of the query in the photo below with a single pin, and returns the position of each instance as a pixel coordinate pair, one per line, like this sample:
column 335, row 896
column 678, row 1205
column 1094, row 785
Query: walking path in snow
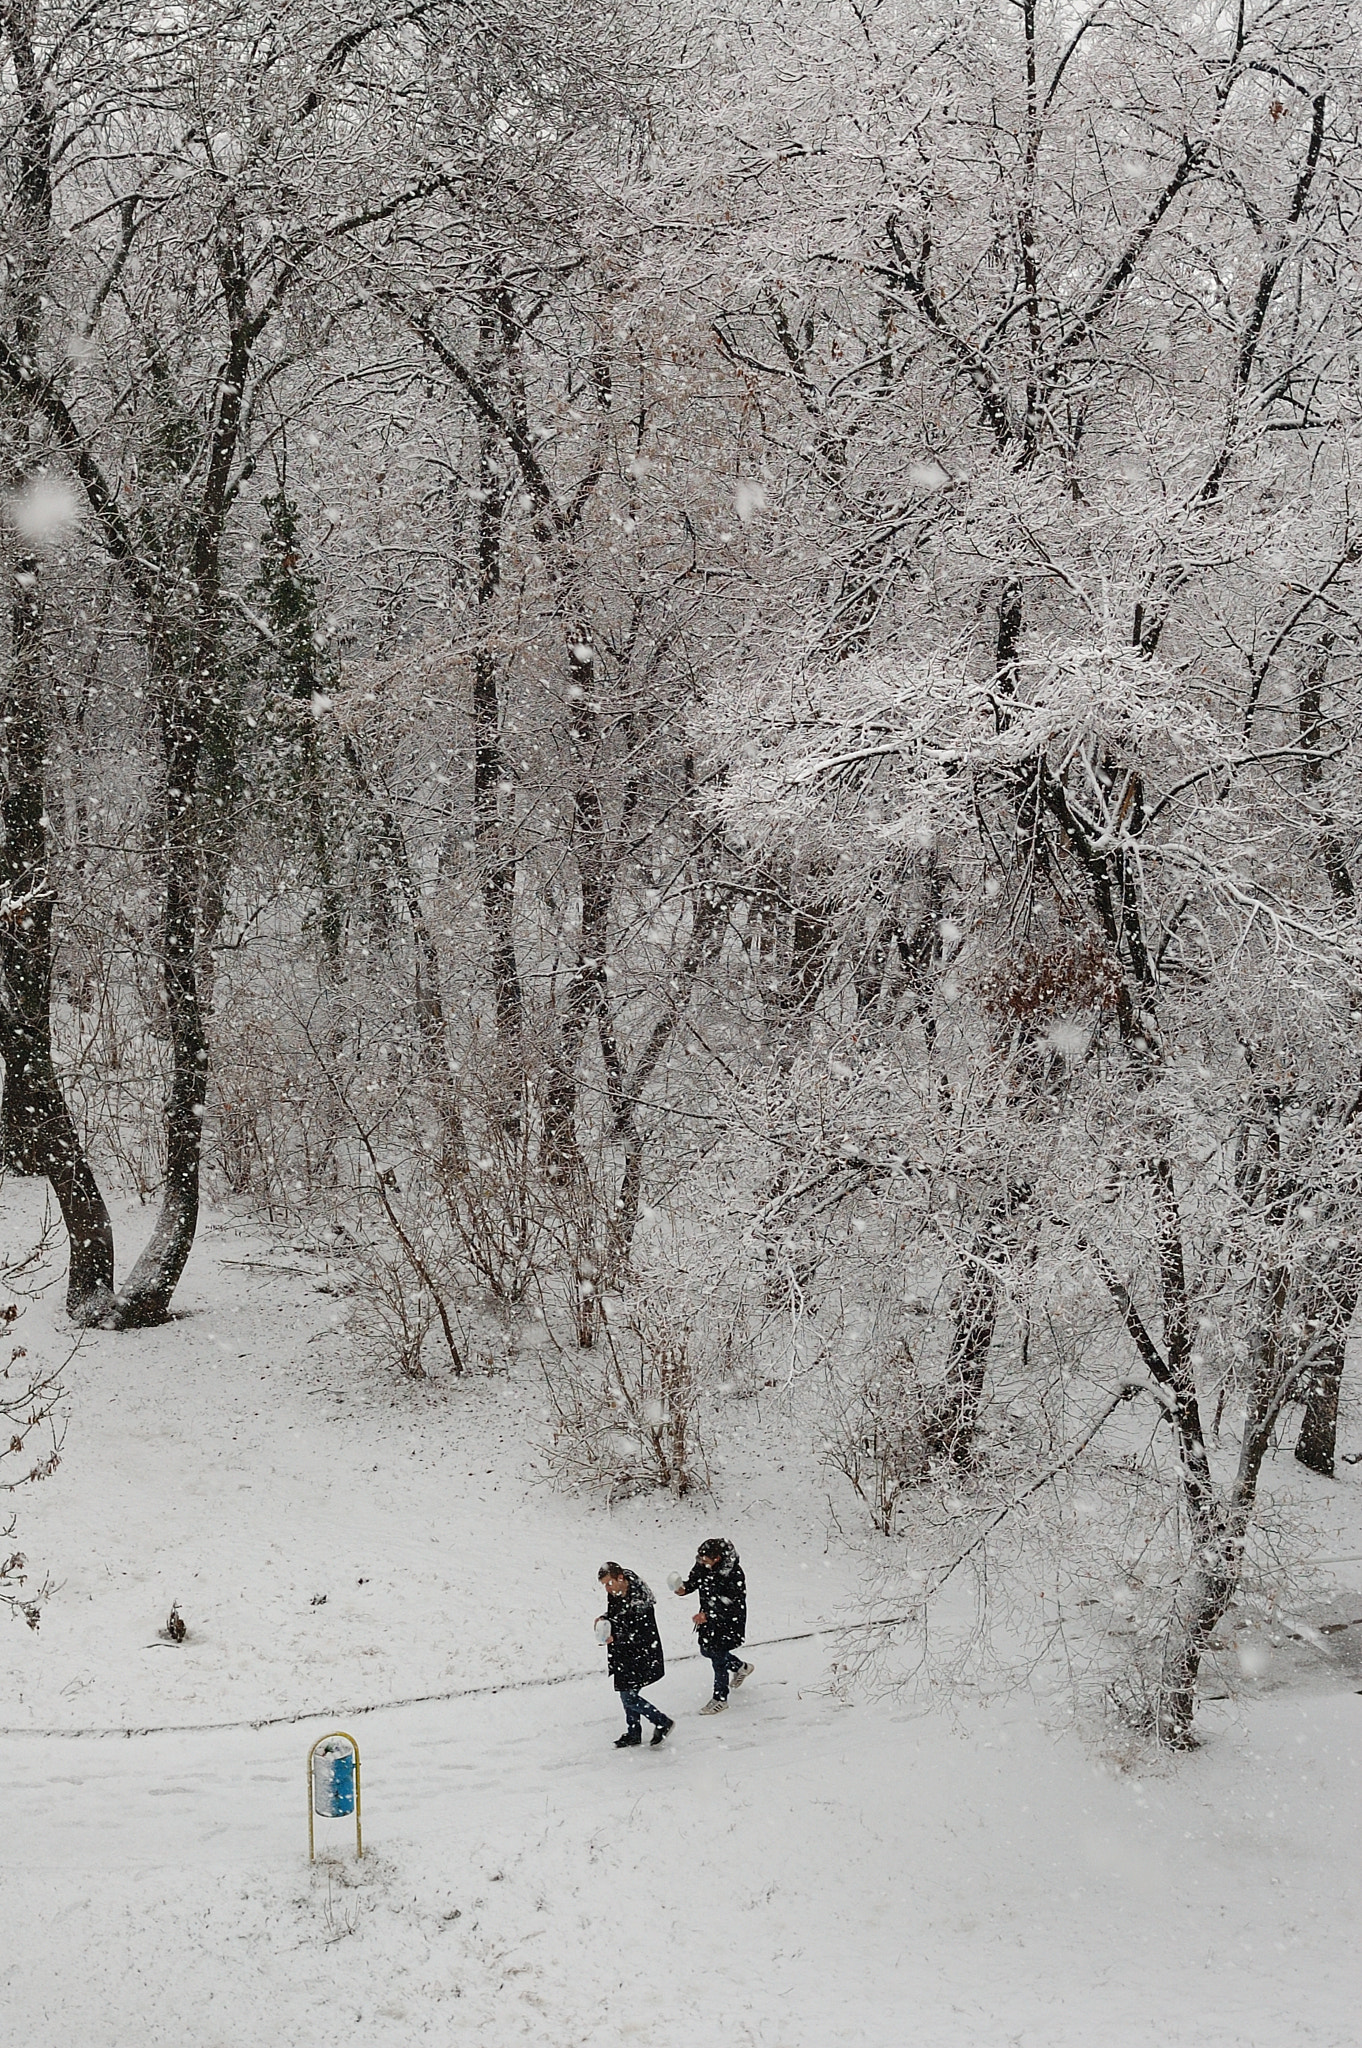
column 425, row 1699
column 797, row 1873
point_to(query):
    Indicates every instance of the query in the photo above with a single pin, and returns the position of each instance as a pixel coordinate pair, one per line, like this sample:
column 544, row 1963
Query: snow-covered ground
column 798, row 1873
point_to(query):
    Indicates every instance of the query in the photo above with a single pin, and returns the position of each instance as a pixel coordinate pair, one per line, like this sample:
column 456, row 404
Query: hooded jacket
column 635, row 1652
column 723, row 1600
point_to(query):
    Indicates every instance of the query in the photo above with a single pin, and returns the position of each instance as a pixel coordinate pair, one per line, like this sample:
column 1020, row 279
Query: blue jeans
column 635, row 1705
column 723, row 1661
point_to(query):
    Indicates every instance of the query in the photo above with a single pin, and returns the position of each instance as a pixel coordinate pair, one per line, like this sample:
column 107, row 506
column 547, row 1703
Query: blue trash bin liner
column 333, row 1782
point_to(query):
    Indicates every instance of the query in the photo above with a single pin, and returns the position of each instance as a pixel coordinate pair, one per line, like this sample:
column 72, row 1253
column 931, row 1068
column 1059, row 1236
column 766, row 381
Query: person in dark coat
column 634, row 1649
column 718, row 1578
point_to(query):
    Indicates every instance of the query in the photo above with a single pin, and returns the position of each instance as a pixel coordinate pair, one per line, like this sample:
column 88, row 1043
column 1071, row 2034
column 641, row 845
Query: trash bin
column 333, row 1780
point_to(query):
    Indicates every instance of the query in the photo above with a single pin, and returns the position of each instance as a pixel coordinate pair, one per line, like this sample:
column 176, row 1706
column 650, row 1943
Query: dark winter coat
column 722, row 1590
column 635, row 1652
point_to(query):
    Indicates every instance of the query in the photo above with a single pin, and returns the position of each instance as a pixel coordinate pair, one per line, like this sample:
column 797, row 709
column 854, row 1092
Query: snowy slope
column 798, row 1874
column 795, row 1874
column 243, row 1462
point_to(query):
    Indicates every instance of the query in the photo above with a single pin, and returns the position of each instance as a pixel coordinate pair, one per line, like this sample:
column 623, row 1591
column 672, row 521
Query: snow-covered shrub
column 625, row 1416
column 392, row 1313
column 877, row 1431
column 274, row 1127
column 31, row 1432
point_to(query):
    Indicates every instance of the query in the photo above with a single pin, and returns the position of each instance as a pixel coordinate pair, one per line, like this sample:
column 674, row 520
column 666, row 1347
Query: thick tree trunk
column 26, row 923
column 496, row 863
column 331, row 922
column 1219, row 1529
column 331, row 940
column 625, row 1090
column 1219, row 1524
column 145, row 1296
column 1320, row 1379
column 38, row 1133
column 1323, row 1377
column 432, row 1030
column 950, row 1427
column 55, row 1145
column 1202, row 1601
column 1332, row 851
column 798, row 932
column 585, row 981
column 1217, row 1543
column 496, row 866
column 19, row 1111
column 187, row 660
column 1317, row 1444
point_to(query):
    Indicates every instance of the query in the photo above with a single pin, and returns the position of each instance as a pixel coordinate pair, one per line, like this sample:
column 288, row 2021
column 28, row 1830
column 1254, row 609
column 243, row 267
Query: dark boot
column 660, row 1733
column 630, row 1739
